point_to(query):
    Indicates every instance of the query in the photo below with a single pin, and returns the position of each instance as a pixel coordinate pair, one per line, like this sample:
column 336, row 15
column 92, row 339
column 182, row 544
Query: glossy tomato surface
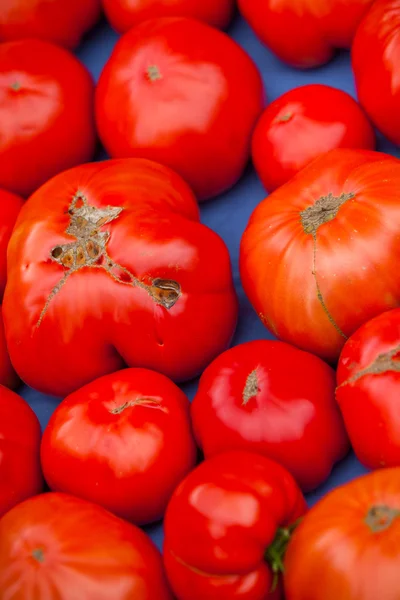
column 62, row 22
column 368, row 390
column 10, row 205
column 304, row 33
column 124, row 14
column 221, row 524
column 349, row 541
column 269, row 397
column 8, row 376
column 55, row 546
column 303, row 124
column 109, row 265
column 46, row 114
column 20, row 472
column 184, row 94
column 123, row 441
column 375, row 61
column 319, row 255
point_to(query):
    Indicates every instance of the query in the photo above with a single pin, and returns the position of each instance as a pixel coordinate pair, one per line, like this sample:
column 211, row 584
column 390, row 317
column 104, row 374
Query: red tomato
column 303, row 124
column 8, row 376
column 347, row 547
column 304, row 33
column 100, row 277
column 46, row 120
column 246, row 401
column 375, row 60
column 184, row 94
column 10, row 207
column 58, row 21
column 123, row 441
column 20, row 473
column 57, row 546
column 368, row 390
column 227, row 526
column 124, row 14
column 319, row 256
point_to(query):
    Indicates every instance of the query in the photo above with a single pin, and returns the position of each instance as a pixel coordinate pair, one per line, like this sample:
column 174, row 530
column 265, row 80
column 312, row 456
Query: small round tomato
column 347, row 546
column 123, row 441
column 46, row 114
column 368, row 390
column 303, row 124
column 8, row 376
column 124, row 14
column 10, row 205
column 179, row 92
column 57, row 546
column 62, row 22
column 227, row 527
column 269, row 397
column 20, row 472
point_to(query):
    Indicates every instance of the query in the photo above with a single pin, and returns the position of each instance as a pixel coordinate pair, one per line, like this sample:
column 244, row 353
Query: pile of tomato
column 114, row 293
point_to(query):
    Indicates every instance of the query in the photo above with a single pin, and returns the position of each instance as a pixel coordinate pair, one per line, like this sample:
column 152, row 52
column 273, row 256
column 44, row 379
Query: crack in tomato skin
column 383, row 363
column 146, row 402
column 90, row 250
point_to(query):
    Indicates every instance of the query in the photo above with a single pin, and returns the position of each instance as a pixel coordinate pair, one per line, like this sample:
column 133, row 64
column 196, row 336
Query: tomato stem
column 275, row 553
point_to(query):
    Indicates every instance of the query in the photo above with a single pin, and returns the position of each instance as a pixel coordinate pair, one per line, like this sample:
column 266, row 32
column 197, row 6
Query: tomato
column 349, row 542
column 304, row 33
column 54, row 21
column 375, row 59
column 57, row 546
column 124, row 14
column 8, row 376
column 46, row 120
column 246, row 401
column 319, row 255
column 368, row 380
column 101, row 277
column 20, row 472
column 123, row 441
column 303, row 124
column 181, row 93
column 227, row 526
column 10, row 207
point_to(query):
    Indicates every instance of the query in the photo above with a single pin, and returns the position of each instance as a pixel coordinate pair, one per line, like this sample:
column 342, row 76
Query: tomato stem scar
column 381, row 517
column 153, row 73
column 38, row 555
column 251, row 388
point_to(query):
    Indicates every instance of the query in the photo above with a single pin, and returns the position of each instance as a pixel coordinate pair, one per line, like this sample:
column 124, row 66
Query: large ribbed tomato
column 319, row 255
column 375, row 59
column 108, row 265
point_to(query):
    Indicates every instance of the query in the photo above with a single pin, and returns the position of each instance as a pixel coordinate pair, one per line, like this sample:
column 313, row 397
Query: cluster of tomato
column 113, row 292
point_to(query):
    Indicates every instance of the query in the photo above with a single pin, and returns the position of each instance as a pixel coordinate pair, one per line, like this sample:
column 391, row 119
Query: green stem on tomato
column 275, row 553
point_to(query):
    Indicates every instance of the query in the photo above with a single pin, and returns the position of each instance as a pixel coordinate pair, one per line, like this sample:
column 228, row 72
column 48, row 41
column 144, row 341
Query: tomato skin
column 51, row 108
column 8, row 376
column 232, row 505
column 339, row 278
column 302, row 125
column 354, row 552
column 233, row 410
column 129, row 462
column 57, row 546
column 179, row 92
column 10, row 207
column 304, row 33
column 20, row 433
column 368, row 381
column 124, row 14
column 375, row 58
column 103, row 318
column 57, row 21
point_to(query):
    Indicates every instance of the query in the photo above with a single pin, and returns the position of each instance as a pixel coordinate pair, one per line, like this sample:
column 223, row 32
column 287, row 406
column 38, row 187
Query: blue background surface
column 228, row 215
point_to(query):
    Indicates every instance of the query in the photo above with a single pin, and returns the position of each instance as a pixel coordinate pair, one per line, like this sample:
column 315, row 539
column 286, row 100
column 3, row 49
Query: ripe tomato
column 124, row 14
column 123, row 441
column 245, row 401
column 303, row 124
column 349, row 542
column 46, row 121
column 55, row 21
column 368, row 390
column 100, row 277
column 20, row 473
column 10, row 207
column 8, row 376
column 227, row 526
column 184, row 94
column 304, row 33
column 319, row 256
column 57, row 546
column 375, row 60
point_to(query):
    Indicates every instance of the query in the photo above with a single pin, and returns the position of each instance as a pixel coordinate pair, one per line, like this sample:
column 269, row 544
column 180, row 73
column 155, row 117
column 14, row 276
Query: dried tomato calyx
column 325, row 209
column 275, row 553
column 381, row 517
